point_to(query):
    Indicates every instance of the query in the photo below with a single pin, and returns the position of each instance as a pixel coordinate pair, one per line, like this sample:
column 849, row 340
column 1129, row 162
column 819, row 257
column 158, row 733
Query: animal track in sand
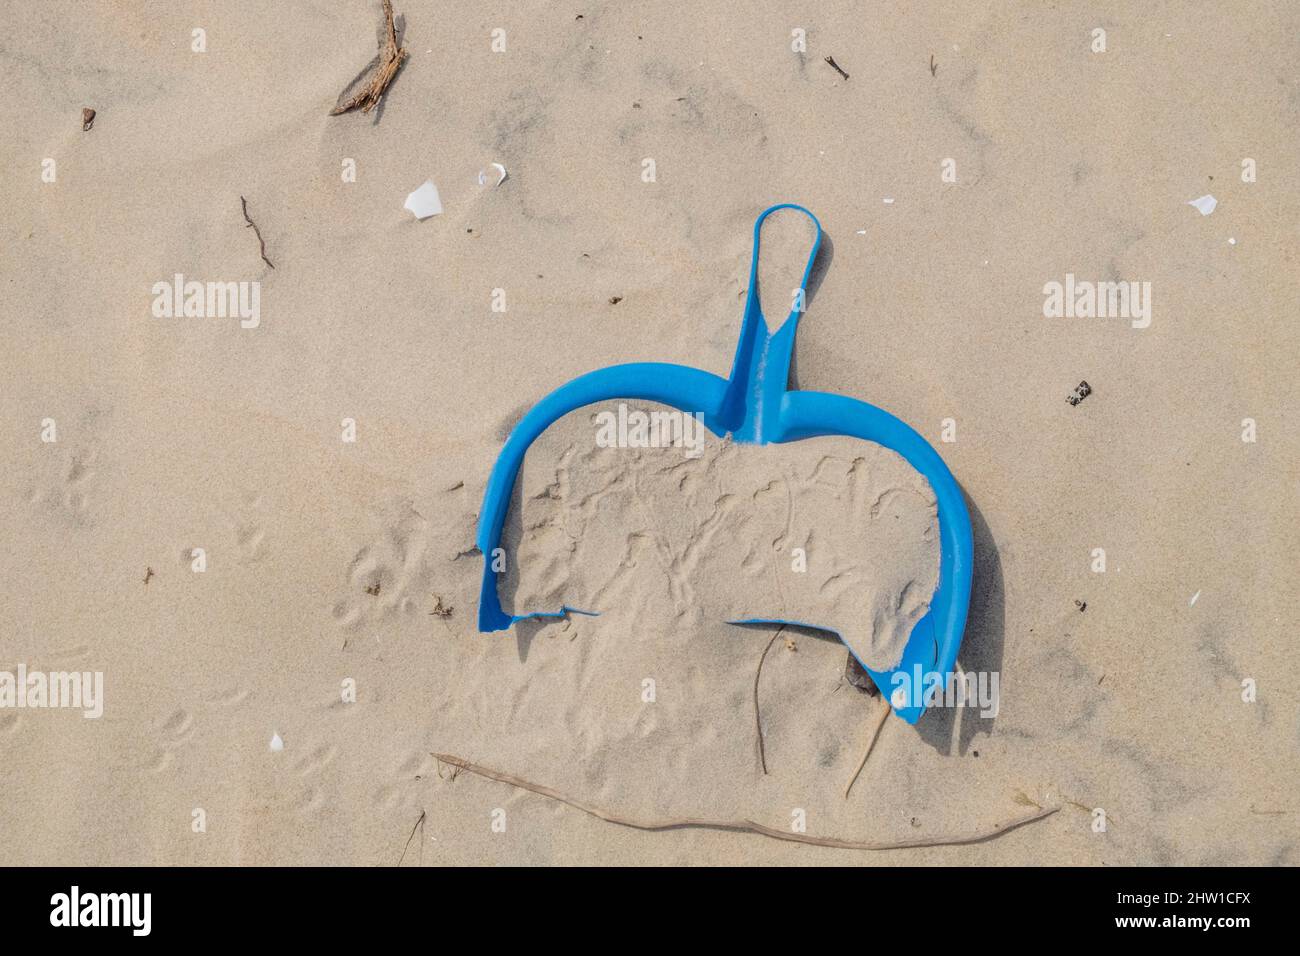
column 65, row 655
column 245, row 523
column 385, row 576
column 172, row 733
column 309, row 801
column 229, row 697
column 833, row 532
column 310, row 765
column 67, row 484
column 315, row 761
column 179, row 727
column 399, row 792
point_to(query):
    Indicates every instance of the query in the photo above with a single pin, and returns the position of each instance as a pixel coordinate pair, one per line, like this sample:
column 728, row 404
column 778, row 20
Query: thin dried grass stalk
column 749, row 826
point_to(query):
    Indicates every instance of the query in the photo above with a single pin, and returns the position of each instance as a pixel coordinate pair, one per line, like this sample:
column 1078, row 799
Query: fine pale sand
column 830, row 532
column 1135, row 580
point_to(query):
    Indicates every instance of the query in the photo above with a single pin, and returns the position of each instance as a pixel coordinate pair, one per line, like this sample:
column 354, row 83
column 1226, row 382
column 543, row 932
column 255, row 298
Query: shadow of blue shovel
column 756, row 406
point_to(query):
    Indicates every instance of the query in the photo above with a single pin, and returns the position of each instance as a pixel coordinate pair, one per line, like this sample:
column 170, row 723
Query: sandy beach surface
column 259, row 528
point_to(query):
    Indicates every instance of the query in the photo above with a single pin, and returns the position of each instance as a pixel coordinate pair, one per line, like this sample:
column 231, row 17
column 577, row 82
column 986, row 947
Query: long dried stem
column 871, row 742
column 749, row 826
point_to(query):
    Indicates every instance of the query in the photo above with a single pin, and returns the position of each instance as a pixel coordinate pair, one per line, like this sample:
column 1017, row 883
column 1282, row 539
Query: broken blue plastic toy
column 756, row 406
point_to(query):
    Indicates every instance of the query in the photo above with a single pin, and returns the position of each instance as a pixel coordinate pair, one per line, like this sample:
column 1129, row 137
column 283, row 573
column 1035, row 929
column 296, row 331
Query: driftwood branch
column 748, row 826
column 386, row 67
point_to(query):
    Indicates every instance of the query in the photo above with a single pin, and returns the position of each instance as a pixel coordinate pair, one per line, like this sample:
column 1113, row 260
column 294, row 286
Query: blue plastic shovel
column 756, row 406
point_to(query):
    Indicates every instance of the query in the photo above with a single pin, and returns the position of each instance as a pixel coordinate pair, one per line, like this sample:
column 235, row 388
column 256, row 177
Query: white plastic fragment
column 1193, row 600
column 889, row 200
column 1232, row 242
column 425, row 202
column 1205, row 205
column 501, row 175
column 276, row 744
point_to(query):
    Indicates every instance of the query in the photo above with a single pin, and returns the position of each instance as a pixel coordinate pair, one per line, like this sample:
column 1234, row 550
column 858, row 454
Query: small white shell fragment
column 425, row 202
column 1193, row 600
column 889, row 200
column 862, row 232
column 501, row 175
column 276, row 744
column 1205, row 205
column 1232, row 242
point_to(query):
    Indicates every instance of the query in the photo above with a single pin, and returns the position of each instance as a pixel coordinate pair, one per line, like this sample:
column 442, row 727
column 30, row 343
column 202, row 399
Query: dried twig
column 389, row 62
column 749, row 826
column 418, row 824
column 257, row 232
column 934, row 67
column 758, row 717
column 836, row 67
column 871, row 742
